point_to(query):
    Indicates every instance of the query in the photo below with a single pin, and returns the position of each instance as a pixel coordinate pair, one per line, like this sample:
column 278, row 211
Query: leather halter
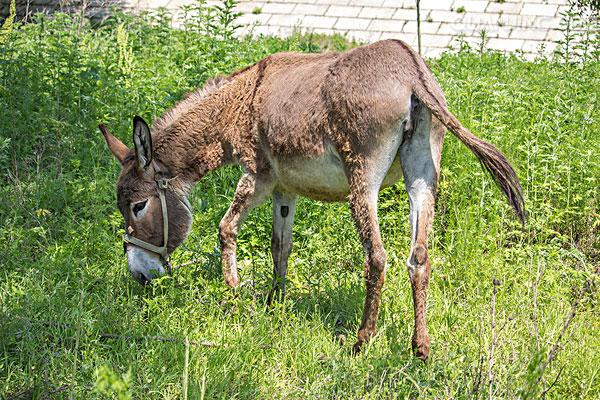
column 163, row 185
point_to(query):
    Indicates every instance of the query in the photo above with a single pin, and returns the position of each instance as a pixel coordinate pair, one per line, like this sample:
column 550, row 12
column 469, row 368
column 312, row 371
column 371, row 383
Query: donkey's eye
column 139, row 206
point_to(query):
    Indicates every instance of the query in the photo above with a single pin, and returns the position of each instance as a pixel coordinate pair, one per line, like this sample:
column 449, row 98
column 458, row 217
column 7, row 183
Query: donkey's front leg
column 284, row 207
column 251, row 191
column 363, row 203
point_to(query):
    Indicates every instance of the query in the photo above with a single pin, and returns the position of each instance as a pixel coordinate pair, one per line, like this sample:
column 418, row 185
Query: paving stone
column 445, row 16
column 278, row 8
column 378, row 12
column 470, row 5
column 248, row 6
column 352, row 23
column 289, row 20
column 532, row 46
column 505, row 8
column 547, row 22
column 375, row 3
column 562, row 8
column 386, row 25
column 157, row 3
column 265, row 30
column 254, row 19
column 522, row 21
column 533, row 51
column 343, row 11
column 331, row 2
column 457, row 41
column 364, row 36
column 287, row 31
column 434, row 52
column 528, row 56
column 438, row 5
column 550, row 47
column 435, row 40
column 175, row 4
column 314, row 21
column 406, row 14
column 325, row 31
column 546, row 10
column 505, row 44
column 554, row 36
column 454, row 30
column 310, row 9
column 481, row 19
column 494, row 31
column 426, row 27
column 529, row 33
column 400, row 3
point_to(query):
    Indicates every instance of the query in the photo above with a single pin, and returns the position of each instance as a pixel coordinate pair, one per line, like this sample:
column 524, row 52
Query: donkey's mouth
column 141, row 278
column 144, row 265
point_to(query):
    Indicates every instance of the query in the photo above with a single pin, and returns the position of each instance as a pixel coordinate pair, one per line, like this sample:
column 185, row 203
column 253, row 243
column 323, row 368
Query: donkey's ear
column 143, row 142
column 119, row 150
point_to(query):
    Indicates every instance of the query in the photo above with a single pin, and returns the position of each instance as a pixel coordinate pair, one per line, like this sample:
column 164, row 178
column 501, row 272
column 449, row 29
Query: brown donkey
column 332, row 127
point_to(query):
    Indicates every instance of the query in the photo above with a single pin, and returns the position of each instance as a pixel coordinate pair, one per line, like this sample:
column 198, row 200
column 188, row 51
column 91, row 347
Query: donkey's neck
column 208, row 129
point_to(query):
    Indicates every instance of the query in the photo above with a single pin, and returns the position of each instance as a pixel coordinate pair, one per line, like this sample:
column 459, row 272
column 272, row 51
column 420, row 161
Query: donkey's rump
column 360, row 93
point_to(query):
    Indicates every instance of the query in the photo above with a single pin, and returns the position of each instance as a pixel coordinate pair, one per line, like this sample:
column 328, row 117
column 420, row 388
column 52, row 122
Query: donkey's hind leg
column 284, row 207
column 250, row 192
column 363, row 204
column 420, row 158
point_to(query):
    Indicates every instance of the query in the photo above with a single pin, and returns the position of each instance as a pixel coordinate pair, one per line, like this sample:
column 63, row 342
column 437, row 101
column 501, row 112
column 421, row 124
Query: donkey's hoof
column 421, row 348
column 276, row 295
column 232, row 280
column 356, row 349
column 364, row 336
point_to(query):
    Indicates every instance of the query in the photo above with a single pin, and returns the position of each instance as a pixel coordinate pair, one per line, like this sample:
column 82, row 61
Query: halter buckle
column 163, row 183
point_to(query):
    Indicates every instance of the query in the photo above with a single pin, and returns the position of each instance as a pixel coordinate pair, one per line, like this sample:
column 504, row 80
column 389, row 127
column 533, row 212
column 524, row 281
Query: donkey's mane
column 188, row 101
column 192, row 99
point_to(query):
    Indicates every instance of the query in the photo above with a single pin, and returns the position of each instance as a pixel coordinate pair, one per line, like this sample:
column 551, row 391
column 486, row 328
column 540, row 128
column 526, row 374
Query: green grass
column 64, row 281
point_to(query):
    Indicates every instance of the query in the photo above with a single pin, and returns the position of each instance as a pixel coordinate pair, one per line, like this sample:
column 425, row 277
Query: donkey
column 330, row 127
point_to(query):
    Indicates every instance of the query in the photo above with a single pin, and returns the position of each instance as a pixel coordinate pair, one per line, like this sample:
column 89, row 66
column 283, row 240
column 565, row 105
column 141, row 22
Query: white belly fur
column 323, row 177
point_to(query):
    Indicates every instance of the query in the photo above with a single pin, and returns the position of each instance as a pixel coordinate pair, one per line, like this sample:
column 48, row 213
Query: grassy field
column 73, row 324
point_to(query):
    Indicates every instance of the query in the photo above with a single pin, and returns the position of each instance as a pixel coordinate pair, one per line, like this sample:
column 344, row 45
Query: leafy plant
column 580, row 25
column 110, row 383
column 7, row 25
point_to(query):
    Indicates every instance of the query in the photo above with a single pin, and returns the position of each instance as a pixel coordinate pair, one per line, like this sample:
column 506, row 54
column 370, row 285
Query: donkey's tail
column 430, row 94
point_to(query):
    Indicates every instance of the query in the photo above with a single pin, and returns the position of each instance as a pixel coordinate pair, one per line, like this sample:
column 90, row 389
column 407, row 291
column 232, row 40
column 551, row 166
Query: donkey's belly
column 323, row 177
column 319, row 178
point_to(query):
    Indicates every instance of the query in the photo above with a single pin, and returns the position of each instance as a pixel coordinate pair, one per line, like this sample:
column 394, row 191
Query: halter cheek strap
column 163, row 185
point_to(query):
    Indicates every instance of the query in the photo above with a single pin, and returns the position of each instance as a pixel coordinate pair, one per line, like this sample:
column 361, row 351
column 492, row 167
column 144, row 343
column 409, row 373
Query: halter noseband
column 163, row 185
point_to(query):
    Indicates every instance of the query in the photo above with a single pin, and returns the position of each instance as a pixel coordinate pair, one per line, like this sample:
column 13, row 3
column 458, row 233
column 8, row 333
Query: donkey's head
column 157, row 214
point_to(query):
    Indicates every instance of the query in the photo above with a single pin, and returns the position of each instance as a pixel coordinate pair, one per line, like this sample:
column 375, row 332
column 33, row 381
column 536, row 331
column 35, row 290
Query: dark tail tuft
column 498, row 166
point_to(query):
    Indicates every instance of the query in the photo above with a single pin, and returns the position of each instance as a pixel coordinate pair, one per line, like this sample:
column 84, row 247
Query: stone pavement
column 510, row 25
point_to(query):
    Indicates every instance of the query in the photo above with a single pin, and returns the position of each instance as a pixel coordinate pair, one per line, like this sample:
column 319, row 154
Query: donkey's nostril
column 141, row 278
